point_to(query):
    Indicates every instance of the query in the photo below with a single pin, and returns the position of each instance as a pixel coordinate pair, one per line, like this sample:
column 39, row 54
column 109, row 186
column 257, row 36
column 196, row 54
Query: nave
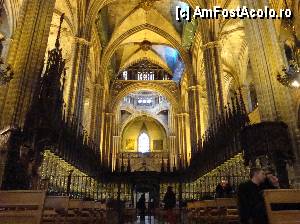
column 116, row 111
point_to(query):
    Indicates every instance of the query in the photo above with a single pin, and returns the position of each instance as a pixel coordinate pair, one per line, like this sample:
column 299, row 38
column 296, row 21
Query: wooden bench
column 85, row 212
column 100, row 212
column 283, row 206
column 223, row 210
column 24, row 207
column 55, row 209
column 73, row 211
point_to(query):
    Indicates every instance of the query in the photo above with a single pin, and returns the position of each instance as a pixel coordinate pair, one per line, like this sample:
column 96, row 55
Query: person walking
column 141, row 206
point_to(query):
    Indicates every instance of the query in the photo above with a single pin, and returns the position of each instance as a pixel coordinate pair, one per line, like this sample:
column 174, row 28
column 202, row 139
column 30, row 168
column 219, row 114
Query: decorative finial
column 57, row 44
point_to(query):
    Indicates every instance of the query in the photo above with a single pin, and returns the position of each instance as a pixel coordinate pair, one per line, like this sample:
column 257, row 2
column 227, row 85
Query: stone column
column 274, row 99
column 96, row 112
column 172, row 151
column 115, row 150
column 184, row 140
column 195, row 115
column 26, row 56
column 246, row 95
column 79, row 69
column 211, row 51
column 108, row 138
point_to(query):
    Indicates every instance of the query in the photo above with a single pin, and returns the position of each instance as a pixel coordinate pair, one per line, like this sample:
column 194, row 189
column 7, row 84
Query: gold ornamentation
column 147, row 4
column 146, row 45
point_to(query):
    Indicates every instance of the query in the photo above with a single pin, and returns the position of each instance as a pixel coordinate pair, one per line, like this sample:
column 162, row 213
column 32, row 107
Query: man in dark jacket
column 170, row 203
column 250, row 199
column 223, row 189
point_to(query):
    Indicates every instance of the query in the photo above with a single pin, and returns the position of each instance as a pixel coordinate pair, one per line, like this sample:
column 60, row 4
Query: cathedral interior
column 105, row 100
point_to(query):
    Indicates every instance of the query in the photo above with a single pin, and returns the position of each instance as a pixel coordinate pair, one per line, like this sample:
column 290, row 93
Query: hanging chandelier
column 6, row 73
column 290, row 76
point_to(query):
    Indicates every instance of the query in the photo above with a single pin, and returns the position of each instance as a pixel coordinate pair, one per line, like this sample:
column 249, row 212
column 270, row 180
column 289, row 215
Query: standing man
column 170, row 203
column 250, row 199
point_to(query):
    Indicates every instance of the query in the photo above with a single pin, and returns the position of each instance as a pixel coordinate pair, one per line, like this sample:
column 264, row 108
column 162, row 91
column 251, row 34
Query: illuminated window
column 144, row 143
column 125, row 73
column 145, row 75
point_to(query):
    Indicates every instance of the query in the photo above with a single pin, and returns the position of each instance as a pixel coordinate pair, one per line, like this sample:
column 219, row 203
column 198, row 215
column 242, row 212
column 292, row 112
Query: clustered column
column 195, row 113
column 108, row 142
column 26, row 56
column 97, row 116
column 79, row 70
column 184, row 140
column 211, row 51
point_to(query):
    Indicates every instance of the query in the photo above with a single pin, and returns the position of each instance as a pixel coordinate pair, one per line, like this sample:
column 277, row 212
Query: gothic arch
column 170, row 93
column 135, row 116
column 142, row 55
column 114, row 45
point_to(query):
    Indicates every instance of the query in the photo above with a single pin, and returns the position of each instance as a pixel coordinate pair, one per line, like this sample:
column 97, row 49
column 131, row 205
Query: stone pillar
column 96, row 113
column 115, row 150
column 212, row 63
column 274, row 99
column 184, row 140
column 246, row 95
column 195, row 115
column 26, row 56
column 79, row 69
column 107, row 143
column 172, row 151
